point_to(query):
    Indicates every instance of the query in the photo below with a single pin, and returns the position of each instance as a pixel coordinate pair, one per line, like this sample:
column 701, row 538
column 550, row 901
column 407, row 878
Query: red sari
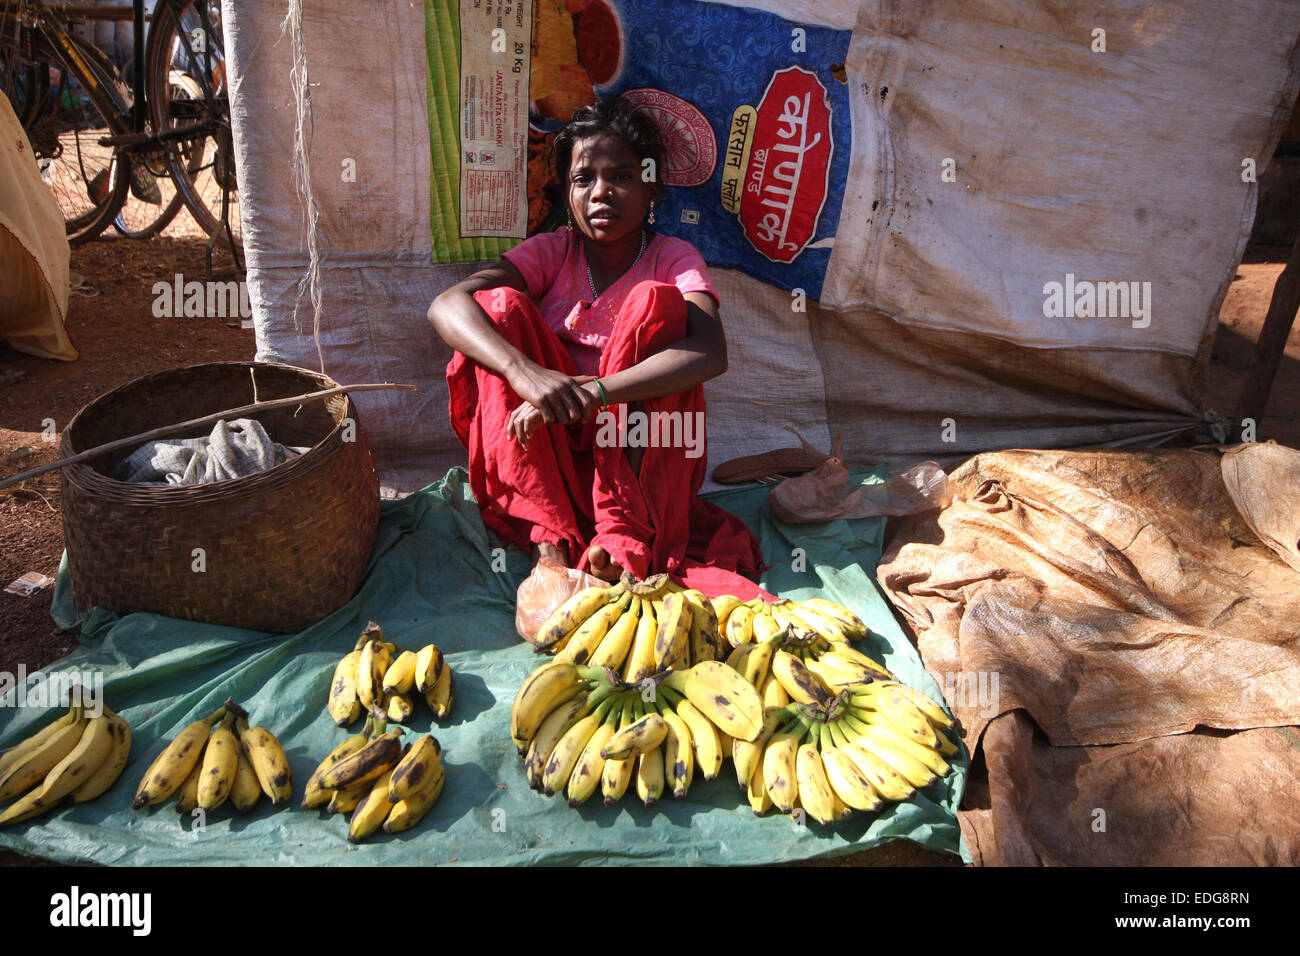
column 571, row 489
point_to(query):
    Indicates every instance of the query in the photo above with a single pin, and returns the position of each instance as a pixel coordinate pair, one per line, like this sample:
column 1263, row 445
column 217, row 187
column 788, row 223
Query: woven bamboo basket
column 273, row 551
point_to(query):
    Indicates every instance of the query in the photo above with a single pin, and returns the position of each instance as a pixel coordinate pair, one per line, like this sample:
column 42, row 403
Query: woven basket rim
column 88, row 478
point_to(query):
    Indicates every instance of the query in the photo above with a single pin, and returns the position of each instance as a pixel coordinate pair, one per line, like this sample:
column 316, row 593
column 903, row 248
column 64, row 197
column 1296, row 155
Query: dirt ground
column 111, row 321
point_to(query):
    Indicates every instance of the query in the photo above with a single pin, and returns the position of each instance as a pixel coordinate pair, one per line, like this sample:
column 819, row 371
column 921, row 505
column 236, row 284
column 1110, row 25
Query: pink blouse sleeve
column 682, row 265
column 538, row 258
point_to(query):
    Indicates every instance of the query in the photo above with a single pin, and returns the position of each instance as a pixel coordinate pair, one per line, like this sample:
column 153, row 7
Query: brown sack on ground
column 1105, row 598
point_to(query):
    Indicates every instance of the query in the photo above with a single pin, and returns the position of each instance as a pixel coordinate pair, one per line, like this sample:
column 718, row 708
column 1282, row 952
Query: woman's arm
column 465, row 327
column 688, row 362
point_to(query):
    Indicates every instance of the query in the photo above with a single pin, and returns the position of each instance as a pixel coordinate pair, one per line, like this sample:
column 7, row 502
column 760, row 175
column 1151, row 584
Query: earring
column 652, row 212
column 570, row 224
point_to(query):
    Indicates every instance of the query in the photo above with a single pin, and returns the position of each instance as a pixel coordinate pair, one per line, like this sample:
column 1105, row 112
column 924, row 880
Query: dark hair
column 616, row 117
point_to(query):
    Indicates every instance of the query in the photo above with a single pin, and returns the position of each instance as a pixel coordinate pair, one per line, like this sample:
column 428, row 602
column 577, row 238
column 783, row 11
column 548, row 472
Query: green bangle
column 603, row 397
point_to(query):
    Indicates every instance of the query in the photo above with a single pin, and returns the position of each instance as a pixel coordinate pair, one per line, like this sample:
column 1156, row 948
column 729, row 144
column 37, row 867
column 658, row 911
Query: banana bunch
column 637, row 628
column 75, row 758
column 581, row 728
column 871, row 744
column 752, row 622
column 803, row 666
column 380, row 782
column 206, row 767
column 378, row 679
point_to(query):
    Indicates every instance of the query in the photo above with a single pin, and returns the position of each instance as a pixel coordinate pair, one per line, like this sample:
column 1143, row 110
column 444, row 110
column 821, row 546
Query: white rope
column 302, row 170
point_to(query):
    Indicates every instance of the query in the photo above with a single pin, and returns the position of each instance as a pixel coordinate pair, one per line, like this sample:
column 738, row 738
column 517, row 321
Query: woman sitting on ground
column 600, row 314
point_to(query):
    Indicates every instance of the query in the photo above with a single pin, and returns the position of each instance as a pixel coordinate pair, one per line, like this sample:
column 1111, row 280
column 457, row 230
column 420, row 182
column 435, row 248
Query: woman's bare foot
column 545, row 551
column 602, row 566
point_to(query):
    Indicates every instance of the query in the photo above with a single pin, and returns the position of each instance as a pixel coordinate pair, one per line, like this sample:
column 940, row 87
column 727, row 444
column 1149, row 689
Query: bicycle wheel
column 151, row 200
column 87, row 179
column 187, row 88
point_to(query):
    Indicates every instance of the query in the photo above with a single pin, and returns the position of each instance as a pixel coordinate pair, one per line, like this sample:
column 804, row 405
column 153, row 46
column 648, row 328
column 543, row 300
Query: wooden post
column 1272, row 339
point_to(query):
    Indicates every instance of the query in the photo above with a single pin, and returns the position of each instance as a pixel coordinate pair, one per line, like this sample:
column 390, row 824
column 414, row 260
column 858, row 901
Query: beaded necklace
column 591, row 283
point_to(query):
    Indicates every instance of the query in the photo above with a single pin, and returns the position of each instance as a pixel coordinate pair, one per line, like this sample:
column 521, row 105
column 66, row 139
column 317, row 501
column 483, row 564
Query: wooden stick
column 1270, row 347
column 104, row 449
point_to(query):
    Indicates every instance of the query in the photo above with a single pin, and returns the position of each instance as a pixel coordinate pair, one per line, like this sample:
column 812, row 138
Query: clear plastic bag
column 548, row 586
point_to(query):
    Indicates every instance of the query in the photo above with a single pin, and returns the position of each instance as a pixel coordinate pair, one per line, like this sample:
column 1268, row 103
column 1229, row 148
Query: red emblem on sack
column 789, row 166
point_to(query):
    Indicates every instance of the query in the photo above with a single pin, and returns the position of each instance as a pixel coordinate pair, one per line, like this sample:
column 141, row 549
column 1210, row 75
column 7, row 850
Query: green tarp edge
column 431, row 578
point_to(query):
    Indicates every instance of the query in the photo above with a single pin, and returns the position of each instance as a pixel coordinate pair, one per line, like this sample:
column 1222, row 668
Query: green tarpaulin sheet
column 431, row 578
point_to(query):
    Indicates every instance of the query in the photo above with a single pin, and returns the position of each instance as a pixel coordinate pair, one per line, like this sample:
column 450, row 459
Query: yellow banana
column 171, row 767
column 748, row 755
column 888, row 737
column 107, row 773
column 398, row 707
column 773, row 693
column 722, row 695
column 25, row 808
column 672, row 637
column 740, row 626
column 815, row 791
column 429, row 665
column 346, row 799
column 559, row 767
column 28, row 771
column 344, row 706
column 544, row 689
column 269, row 762
column 187, row 797
column 704, row 738
column 555, row 725
column 415, row 769
column 570, row 615
column 799, row 682
column 850, row 622
column 848, row 782
column 639, row 737
column 400, row 677
column 314, row 795
column 617, row 642
column 442, row 695
column 410, row 811
column 617, row 775
column 589, row 635
column 758, row 662
column 641, row 659
column 25, row 747
column 884, row 779
column 650, row 776
column 764, row 625
column 91, row 750
column 780, row 778
column 705, row 639
column 376, row 757
column 373, row 810
column 722, row 608
column 247, row 791
column 760, row 801
column 588, row 771
column 218, row 768
column 679, row 760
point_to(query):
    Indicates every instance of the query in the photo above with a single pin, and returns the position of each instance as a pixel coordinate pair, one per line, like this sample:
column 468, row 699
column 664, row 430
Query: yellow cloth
column 34, row 251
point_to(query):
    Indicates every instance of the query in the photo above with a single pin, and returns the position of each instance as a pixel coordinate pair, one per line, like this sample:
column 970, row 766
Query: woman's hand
column 523, row 421
column 560, row 399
